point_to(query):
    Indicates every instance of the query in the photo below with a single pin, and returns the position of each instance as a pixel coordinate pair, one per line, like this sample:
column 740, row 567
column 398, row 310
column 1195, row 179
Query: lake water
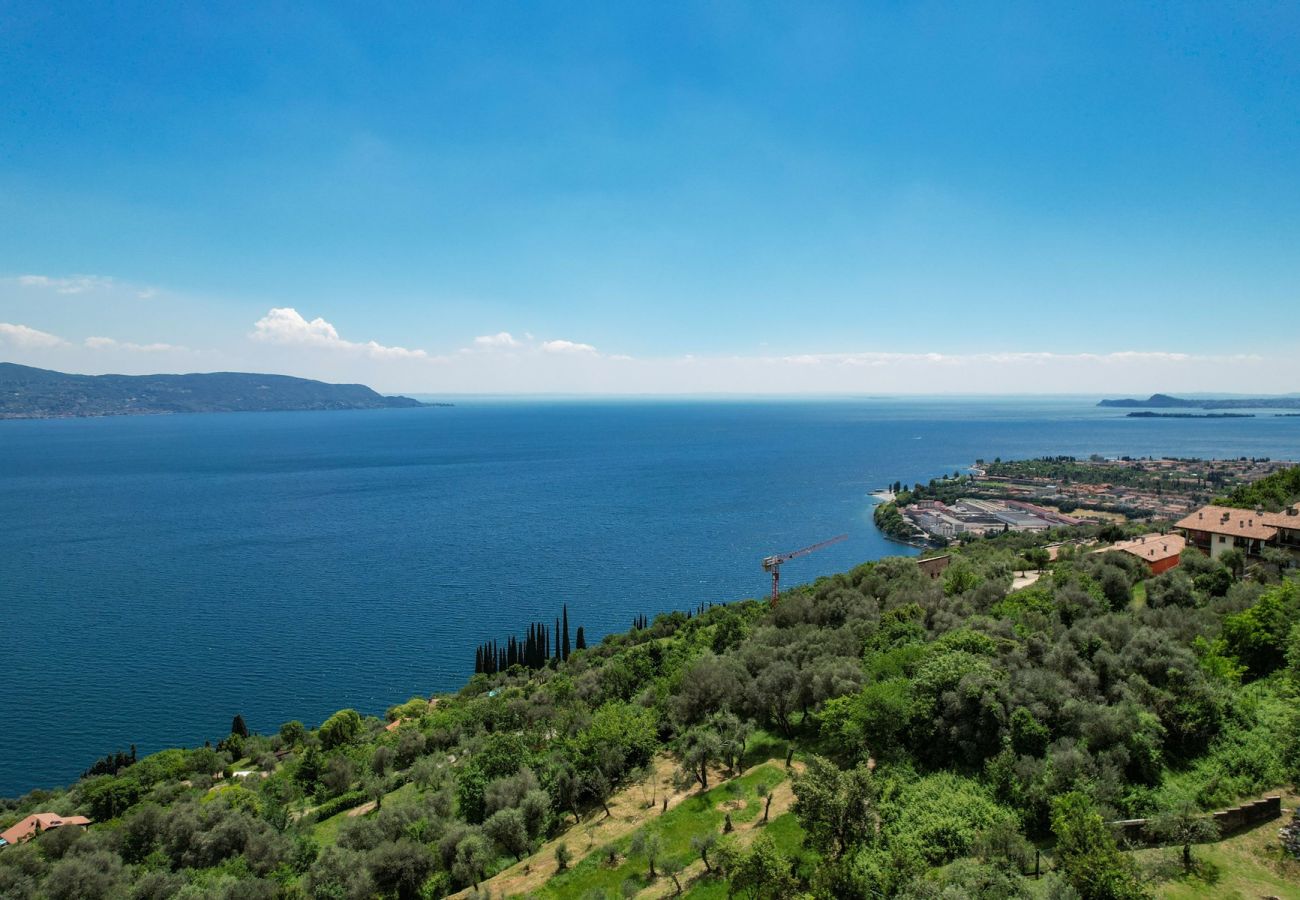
column 160, row 574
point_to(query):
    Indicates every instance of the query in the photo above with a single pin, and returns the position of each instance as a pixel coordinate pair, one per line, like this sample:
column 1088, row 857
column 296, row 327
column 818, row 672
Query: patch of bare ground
column 782, row 800
column 629, row 809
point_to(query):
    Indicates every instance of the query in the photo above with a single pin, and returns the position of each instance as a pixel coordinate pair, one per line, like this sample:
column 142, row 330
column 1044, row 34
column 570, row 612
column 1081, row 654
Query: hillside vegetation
column 938, row 734
column 1272, row 492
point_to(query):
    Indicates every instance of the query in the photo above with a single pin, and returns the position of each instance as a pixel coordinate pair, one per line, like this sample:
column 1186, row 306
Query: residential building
column 35, row 824
column 1160, row 552
column 1287, row 523
column 1217, row 529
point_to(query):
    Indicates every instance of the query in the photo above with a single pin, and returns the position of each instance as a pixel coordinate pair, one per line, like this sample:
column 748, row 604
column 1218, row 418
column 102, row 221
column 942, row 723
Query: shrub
column 336, row 805
column 340, row 728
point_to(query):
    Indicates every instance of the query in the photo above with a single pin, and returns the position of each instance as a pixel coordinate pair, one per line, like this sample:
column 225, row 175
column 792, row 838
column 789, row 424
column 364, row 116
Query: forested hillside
column 1272, row 492
column 923, row 739
column 30, row 393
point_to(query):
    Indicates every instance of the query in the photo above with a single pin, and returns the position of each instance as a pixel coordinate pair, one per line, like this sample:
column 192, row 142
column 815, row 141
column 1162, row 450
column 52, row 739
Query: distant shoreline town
column 1051, row 492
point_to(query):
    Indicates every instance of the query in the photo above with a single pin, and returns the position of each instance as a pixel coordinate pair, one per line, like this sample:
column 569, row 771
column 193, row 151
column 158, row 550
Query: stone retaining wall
column 1133, row 831
column 1239, row 817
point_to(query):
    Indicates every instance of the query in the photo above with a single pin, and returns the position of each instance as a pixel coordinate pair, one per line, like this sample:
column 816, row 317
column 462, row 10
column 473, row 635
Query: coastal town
column 1038, row 494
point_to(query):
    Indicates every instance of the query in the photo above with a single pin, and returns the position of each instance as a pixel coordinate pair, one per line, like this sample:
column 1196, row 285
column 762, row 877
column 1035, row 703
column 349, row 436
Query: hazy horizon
column 757, row 395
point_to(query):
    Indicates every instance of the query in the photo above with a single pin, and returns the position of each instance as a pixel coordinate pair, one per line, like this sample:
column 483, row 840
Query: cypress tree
column 580, row 640
column 557, row 639
column 565, row 646
column 238, row 727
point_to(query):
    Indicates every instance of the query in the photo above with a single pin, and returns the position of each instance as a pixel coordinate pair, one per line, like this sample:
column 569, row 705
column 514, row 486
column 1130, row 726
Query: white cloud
column 72, row 284
column 567, row 347
column 499, row 340
column 504, row 340
column 99, row 285
column 22, row 336
column 108, row 343
column 379, row 351
column 285, row 325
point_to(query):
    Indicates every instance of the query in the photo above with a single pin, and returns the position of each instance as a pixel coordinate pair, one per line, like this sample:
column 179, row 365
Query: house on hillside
column 1160, row 552
column 934, row 566
column 1217, row 529
column 38, row 823
column 1287, row 523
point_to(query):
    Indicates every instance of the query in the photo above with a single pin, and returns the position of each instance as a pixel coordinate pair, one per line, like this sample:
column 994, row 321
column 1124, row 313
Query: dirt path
column 629, row 810
column 361, row 810
column 1025, row 579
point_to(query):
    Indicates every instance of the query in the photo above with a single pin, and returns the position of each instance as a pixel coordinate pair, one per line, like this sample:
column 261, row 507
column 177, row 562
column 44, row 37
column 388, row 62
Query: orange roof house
column 1159, row 551
column 1287, row 523
column 37, row 823
column 1216, row 529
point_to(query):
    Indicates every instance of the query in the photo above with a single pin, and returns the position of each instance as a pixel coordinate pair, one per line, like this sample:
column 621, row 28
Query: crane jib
column 773, row 563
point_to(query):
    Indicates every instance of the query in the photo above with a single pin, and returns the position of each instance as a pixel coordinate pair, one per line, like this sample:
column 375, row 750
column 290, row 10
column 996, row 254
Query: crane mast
column 773, row 563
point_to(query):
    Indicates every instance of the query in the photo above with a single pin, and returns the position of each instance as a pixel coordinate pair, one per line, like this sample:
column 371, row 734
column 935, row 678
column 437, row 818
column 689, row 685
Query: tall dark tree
column 580, row 640
column 557, row 640
column 238, row 727
column 564, row 647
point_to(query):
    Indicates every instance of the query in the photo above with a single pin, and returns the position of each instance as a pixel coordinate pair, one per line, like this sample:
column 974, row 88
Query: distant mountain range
column 30, row 393
column 1164, row 401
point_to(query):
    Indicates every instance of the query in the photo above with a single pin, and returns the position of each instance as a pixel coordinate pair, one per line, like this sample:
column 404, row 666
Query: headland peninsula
column 30, row 393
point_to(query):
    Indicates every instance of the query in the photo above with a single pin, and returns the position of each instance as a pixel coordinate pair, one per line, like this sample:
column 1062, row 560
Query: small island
column 1164, row 401
column 1147, row 414
column 31, row 393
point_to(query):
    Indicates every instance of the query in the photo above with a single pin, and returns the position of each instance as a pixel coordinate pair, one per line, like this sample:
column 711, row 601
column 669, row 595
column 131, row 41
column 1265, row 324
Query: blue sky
column 656, row 197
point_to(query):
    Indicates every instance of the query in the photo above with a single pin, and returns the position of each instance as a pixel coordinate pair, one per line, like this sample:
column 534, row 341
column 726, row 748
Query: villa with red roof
column 35, row 824
column 1160, row 552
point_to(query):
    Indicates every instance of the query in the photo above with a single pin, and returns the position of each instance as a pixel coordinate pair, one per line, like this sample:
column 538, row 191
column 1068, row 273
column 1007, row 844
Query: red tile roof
column 1287, row 518
column 1152, row 547
column 34, row 824
column 1248, row 523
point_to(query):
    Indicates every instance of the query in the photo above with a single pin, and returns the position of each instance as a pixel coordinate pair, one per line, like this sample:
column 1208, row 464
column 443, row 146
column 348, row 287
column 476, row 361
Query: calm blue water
column 160, row 574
